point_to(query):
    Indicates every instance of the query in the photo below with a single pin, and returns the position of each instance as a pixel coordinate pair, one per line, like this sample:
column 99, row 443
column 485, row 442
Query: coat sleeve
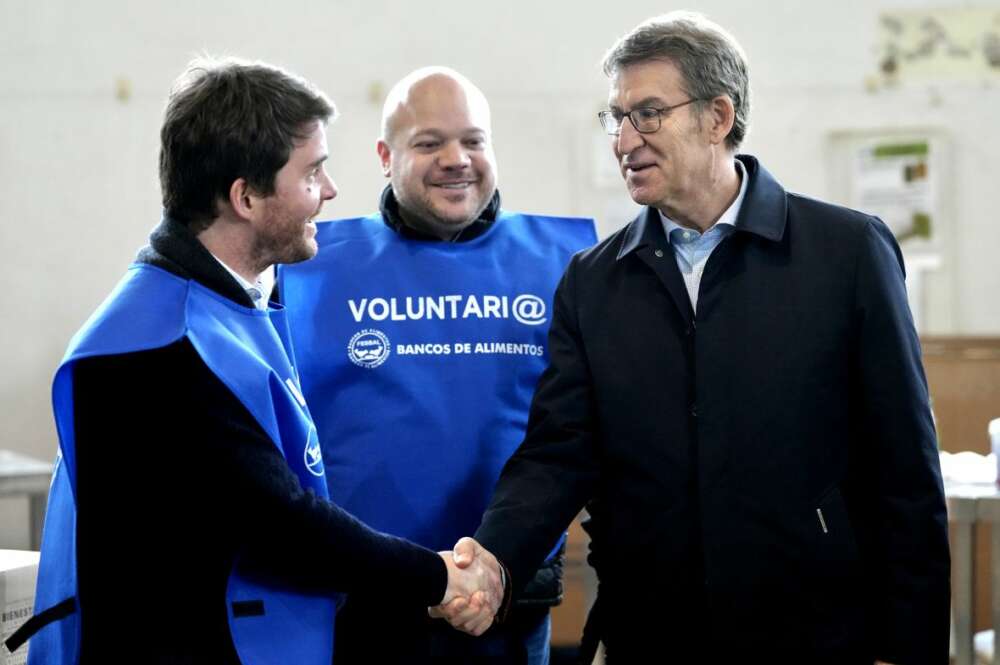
column 911, row 558
column 555, row 470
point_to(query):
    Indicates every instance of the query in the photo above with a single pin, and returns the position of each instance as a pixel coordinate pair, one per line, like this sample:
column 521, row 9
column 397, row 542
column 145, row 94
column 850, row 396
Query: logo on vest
column 529, row 310
column 313, row 455
column 368, row 348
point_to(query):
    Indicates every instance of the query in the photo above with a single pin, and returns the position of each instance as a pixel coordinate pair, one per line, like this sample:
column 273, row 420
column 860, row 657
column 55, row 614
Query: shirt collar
column 764, row 214
column 728, row 217
column 260, row 301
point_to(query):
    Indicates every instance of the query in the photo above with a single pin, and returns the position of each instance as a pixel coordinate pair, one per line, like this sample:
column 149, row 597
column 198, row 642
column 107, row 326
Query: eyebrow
column 644, row 102
column 438, row 133
column 316, row 163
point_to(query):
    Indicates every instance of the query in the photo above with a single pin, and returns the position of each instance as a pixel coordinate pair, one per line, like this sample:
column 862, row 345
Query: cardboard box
column 18, row 571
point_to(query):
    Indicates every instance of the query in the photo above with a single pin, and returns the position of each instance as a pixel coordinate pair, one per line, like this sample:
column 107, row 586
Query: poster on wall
column 955, row 43
column 895, row 180
column 903, row 177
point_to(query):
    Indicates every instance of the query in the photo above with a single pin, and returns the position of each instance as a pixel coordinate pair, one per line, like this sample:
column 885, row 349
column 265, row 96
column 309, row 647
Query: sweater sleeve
column 202, row 466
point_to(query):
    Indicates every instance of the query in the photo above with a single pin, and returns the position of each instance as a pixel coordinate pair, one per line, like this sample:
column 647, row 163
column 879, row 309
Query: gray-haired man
column 736, row 394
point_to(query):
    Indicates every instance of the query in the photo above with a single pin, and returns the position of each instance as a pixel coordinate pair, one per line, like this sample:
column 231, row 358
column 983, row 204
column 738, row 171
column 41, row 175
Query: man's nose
column 628, row 138
column 453, row 156
column 328, row 190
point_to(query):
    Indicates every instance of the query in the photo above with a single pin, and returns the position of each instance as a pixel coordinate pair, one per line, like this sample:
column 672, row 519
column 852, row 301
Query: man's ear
column 722, row 116
column 243, row 199
column 384, row 156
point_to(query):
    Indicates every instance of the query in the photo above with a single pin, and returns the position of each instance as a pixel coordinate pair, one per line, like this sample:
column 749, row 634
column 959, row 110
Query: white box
column 18, row 571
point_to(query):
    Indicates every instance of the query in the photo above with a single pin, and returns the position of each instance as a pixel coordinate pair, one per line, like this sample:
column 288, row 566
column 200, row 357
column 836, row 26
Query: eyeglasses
column 646, row 119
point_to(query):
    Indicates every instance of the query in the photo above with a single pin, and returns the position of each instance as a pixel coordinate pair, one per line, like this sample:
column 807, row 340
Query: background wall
column 82, row 86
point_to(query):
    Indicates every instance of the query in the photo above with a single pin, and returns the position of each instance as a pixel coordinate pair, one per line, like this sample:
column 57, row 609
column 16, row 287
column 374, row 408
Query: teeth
column 456, row 185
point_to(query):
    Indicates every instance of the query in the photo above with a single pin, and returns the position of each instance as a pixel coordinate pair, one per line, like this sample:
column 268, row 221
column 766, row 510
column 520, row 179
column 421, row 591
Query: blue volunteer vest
column 249, row 351
column 419, row 360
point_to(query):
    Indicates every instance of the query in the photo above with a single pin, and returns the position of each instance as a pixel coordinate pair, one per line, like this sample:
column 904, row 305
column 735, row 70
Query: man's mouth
column 465, row 184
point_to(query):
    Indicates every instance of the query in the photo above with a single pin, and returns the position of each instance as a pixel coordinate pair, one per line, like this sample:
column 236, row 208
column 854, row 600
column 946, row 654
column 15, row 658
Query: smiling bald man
column 421, row 332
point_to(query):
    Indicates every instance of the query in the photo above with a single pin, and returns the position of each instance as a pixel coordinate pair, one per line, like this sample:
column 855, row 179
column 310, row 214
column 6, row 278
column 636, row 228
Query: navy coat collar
column 763, row 212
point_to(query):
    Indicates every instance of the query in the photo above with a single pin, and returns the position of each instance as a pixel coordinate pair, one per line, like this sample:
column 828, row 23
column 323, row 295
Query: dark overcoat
column 762, row 476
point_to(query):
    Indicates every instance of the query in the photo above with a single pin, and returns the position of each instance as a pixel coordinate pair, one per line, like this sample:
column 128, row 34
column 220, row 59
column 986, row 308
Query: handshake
column 475, row 588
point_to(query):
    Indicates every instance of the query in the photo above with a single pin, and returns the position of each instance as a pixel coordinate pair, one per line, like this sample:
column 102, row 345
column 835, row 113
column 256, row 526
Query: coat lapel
column 647, row 240
column 762, row 214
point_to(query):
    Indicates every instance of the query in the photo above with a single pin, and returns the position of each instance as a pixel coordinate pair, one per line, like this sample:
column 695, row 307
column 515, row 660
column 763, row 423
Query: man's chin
column 307, row 250
column 440, row 220
column 453, row 226
column 450, row 219
column 642, row 197
column 452, row 215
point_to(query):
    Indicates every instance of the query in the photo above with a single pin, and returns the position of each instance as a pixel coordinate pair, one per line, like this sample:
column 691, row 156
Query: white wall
column 78, row 187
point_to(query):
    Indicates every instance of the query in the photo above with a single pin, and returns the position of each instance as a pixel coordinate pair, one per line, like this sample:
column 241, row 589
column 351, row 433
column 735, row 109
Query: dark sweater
column 388, row 206
column 175, row 480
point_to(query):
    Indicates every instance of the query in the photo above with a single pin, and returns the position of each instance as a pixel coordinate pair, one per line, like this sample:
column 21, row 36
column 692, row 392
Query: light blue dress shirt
column 692, row 249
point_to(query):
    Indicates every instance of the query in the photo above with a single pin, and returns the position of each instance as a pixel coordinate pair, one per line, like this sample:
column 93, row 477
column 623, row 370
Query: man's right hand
column 475, row 590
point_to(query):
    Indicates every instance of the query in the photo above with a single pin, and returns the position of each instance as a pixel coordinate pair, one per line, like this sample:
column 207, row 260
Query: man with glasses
column 420, row 332
column 735, row 392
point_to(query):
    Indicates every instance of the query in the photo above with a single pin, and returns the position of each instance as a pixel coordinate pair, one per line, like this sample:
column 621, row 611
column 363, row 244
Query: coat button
column 659, row 253
column 694, row 411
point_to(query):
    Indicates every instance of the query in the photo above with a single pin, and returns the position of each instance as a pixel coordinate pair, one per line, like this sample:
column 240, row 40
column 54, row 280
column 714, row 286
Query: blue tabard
column 419, row 360
column 248, row 350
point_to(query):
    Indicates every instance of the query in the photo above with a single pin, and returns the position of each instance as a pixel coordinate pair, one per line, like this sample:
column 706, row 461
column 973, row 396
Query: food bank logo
column 313, row 454
column 368, row 348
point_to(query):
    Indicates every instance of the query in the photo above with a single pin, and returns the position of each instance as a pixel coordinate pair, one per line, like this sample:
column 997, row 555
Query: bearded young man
column 188, row 520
